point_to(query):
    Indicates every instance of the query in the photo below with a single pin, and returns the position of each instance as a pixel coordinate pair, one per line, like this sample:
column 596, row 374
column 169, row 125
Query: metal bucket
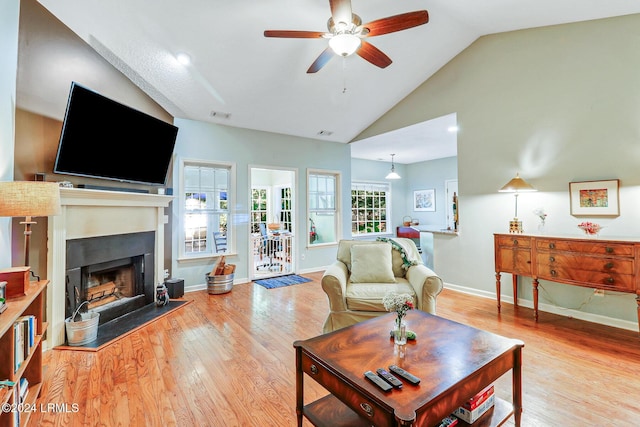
column 219, row 284
column 83, row 331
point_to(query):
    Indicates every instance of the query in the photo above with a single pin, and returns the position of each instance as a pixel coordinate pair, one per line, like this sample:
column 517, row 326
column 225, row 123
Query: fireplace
column 89, row 214
column 110, row 273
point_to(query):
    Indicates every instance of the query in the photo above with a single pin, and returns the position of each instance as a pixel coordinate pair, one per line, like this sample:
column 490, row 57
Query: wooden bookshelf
column 31, row 368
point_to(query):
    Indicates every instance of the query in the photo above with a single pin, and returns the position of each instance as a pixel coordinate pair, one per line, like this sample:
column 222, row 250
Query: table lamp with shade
column 516, row 185
column 29, row 199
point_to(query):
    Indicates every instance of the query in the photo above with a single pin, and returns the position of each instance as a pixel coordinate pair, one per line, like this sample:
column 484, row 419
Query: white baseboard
column 548, row 308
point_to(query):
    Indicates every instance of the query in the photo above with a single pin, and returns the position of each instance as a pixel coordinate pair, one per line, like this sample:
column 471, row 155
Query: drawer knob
column 610, row 280
column 552, row 245
column 515, row 242
column 608, row 265
column 314, row 369
column 554, row 273
column 552, row 259
column 608, row 250
column 367, row 409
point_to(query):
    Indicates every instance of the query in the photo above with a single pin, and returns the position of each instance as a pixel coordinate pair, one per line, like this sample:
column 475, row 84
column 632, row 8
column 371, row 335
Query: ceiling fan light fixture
column 393, row 174
column 344, row 44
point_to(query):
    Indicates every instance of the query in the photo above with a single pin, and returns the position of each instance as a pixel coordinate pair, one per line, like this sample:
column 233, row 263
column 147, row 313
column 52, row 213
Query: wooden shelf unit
column 31, row 368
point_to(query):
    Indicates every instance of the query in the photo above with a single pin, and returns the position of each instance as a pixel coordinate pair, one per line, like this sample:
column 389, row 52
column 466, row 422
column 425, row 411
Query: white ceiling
column 262, row 84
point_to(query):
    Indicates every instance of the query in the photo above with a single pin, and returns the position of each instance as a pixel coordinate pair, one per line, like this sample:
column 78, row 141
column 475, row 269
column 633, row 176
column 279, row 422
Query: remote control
column 404, row 374
column 389, row 378
column 385, row 386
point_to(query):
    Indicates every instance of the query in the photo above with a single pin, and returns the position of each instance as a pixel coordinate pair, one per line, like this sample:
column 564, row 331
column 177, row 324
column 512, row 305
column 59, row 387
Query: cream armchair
column 365, row 271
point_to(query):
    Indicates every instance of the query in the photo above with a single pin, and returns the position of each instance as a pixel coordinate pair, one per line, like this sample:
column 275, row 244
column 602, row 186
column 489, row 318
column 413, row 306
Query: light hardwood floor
column 228, row 360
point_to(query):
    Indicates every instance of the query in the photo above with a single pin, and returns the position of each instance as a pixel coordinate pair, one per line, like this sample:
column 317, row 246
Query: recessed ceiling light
column 183, row 58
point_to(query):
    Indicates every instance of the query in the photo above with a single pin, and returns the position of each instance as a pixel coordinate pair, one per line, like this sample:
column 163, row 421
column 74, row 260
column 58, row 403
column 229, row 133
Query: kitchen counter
column 434, row 229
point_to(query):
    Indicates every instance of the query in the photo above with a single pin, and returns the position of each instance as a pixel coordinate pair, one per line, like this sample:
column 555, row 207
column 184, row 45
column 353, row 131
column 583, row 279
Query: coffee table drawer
column 365, row 407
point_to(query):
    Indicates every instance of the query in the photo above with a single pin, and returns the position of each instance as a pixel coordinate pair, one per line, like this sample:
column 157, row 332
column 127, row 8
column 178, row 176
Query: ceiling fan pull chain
column 344, row 74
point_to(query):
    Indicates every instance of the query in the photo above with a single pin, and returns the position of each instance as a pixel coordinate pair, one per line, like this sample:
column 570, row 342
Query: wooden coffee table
column 452, row 360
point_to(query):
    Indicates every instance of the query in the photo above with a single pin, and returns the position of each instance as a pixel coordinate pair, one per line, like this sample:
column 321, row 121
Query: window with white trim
column 370, row 204
column 206, row 214
column 322, row 207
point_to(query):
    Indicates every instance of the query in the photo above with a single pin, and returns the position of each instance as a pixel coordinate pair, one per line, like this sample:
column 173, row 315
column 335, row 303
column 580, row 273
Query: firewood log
column 105, row 289
column 101, row 301
column 218, row 269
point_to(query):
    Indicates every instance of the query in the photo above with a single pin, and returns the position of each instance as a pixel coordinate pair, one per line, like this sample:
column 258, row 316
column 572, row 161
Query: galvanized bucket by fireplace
column 83, row 331
column 219, row 284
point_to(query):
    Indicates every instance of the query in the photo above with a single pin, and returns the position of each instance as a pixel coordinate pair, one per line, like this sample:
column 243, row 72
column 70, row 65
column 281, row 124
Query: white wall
column 248, row 148
column 9, row 18
column 431, row 175
column 557, row 104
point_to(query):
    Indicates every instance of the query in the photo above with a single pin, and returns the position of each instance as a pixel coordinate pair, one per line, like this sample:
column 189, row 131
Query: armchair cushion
column 368, row 296
column 344, row 255
column 371, row 264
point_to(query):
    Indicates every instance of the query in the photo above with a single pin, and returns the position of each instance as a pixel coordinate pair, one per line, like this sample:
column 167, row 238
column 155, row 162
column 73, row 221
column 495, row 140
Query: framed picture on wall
column 595, row 198
column 424, row 200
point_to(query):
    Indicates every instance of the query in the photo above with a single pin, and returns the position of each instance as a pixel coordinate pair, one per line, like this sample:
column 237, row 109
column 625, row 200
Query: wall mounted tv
column 102, row 138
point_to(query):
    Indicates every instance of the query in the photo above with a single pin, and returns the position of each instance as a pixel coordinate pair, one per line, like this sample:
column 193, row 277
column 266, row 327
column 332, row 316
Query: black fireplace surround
column 95, row 254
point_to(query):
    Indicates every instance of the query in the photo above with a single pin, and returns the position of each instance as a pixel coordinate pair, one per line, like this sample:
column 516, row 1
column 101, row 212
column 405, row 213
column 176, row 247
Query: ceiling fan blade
column 341, row 11
column 320, row 62
column 395, row 23
column 373, row 55
column 293, row 34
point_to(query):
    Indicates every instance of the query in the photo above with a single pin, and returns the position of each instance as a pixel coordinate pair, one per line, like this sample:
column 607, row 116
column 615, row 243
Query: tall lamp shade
column 516, row 185
column 29, row 199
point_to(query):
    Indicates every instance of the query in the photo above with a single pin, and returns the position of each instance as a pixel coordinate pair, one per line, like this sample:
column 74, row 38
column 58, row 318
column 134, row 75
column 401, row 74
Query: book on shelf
column 449, row 421
column 24, row 388
column 479, row 398
column 16, row 414
column 18, row 345
column 471, row 416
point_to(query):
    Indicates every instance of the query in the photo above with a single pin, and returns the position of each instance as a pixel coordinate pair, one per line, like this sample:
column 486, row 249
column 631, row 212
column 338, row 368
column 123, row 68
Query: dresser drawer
column 586, row 278
column 601, row 248
column 585, row 262
column 513, row 241
column 363, row 406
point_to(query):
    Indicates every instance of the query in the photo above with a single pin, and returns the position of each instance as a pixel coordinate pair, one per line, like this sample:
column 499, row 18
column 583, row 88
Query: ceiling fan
column 347, row 32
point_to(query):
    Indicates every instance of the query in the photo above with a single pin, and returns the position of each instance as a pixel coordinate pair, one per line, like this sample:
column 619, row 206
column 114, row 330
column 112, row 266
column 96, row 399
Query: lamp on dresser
column 26, row 199
column 516, row 185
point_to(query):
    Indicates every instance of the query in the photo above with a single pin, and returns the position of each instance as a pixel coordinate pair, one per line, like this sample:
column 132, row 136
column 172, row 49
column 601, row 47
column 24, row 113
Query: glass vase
column 400, row 333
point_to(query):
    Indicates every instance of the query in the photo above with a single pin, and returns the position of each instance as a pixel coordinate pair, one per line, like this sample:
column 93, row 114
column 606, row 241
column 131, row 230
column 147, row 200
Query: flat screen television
column 102, row 138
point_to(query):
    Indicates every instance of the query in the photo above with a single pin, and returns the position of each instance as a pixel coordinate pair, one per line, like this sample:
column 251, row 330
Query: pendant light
column 392, row 174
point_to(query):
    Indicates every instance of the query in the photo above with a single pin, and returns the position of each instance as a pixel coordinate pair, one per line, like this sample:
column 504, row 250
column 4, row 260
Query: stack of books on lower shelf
column 24, row 335
column 475, row 407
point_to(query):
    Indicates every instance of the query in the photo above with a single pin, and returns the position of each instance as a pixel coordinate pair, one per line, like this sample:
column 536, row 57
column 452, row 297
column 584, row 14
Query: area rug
column 122, row 326
column 279, row 282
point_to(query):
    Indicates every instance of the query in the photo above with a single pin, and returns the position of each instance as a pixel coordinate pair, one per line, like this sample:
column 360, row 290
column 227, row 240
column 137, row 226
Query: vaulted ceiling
column 238, row 77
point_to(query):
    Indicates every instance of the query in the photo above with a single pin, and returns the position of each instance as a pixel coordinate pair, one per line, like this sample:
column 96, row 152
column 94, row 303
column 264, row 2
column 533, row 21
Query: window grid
column 369, row 208
column 322, row 210
column 205, row 208
column 259, row 204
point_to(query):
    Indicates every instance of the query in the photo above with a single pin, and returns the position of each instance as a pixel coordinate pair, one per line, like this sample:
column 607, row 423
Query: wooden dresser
column 612, row 265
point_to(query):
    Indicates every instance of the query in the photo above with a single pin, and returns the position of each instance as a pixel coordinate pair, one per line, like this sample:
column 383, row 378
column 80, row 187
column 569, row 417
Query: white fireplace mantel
column 94, row 213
